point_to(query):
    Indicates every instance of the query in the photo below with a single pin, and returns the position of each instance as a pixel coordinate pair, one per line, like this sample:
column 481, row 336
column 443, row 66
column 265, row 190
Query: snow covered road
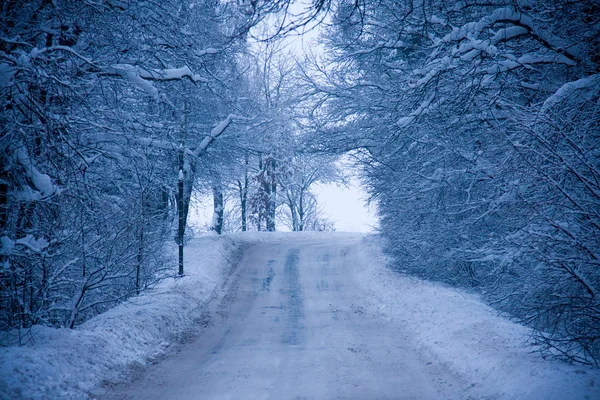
column 320, row 316
column 293, row 326
column 291, row 316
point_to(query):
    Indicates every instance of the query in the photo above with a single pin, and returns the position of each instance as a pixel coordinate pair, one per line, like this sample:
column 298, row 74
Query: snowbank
column 459, row 331
column 69, row 363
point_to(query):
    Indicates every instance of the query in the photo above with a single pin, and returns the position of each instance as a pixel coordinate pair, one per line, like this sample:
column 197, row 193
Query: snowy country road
column 291, row 326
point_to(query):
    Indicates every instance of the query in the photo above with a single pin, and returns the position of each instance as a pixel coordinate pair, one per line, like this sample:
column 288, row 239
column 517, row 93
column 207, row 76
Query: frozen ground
column 302, row 316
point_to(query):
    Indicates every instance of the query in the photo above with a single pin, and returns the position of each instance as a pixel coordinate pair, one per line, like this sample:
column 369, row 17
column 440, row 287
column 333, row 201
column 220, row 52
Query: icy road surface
column 292, row 327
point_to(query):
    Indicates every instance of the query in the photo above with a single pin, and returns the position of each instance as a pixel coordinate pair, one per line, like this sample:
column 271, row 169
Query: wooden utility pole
column 180, row 182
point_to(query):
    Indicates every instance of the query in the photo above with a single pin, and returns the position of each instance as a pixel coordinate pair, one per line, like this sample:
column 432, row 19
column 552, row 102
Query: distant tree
column 301, row 172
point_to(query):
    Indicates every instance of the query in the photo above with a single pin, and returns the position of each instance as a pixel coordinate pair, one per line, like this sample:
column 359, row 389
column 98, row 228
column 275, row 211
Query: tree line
column 477, row 128
column 113, row 114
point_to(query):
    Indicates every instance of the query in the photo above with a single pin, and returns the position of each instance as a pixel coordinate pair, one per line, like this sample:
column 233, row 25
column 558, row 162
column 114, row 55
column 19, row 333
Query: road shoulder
column 457, row 330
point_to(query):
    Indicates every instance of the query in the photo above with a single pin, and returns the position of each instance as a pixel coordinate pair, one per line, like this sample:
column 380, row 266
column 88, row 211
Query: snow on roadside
column 468, row 337
column 447, row 325
column 69, row 363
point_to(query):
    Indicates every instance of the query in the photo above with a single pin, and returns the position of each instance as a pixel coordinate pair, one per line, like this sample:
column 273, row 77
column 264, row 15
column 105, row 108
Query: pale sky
column 347, row 207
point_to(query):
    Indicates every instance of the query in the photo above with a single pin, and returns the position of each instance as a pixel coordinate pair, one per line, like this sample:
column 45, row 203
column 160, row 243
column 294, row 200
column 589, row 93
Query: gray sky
column 347, row 206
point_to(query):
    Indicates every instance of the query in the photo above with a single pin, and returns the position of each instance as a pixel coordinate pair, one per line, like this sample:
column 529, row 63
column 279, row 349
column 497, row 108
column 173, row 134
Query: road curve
column 291, row 326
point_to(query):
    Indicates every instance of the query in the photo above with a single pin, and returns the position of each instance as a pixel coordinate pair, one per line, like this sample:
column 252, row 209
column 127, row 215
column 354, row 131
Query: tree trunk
column 301, row 211
column 183, row 201
column 188, row 187
column 272, row 195
column 293, row 212
column 243, row 188
column 140, row 255
column 261, row 206
column 77, row 303
column 218, row 208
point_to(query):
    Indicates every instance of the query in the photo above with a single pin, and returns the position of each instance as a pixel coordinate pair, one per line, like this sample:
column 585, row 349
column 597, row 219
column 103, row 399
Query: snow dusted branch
column 142, row 77
column 527, row 61
column 209, row 50
column 129, row 140
column 423, row 108
column 35, row 52
column 123, row 139
column 524, row 25
column 41, row 182
column 28, row 241
column 214, row 133
column 171, row 74
column 586, row 87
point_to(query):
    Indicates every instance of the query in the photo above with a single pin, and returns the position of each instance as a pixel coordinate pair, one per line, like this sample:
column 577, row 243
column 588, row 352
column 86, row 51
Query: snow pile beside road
column 459, row 331
column 69, row 363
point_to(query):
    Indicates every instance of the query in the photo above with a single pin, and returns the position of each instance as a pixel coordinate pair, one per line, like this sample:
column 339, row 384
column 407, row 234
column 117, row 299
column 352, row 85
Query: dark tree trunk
column 218, row 208
column 140, row 255
column 243, row 187
column 301, row 211
column 243, row 200
column 271, row 183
